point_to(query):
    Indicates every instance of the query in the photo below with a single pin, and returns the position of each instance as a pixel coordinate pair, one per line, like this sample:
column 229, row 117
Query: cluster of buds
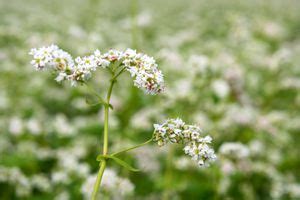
column 141, row 67
column 196, row 146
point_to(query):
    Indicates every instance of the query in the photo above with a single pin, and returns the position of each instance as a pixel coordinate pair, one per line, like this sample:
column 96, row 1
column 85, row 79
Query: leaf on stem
column 118, row 161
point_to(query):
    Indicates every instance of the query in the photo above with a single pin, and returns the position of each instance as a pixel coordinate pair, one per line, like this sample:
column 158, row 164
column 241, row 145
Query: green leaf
column 92, row 103
column 118, row 161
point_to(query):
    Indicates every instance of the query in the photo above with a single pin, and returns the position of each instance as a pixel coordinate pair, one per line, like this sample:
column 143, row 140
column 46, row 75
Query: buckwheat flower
column 54, row 59
column 170, row 131
column 200, row 152
column 141, row 67
column 144, row 69
column 100, row 60
column 196, row 146
column 42, row 57
column 83, row 69
column 192, row 132
column 113, row 55
column 51, row 57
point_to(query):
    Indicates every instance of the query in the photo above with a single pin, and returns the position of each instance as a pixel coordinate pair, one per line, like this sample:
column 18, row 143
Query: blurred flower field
column 231, row 67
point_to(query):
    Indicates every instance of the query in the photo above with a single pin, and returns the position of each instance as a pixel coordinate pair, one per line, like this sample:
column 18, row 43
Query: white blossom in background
column 221, row 88
column 15, row 177
column 16, row 126
column 62, row 196
column 293, row 190
column 234, row 150
column 199, row 63
column 87, row 186
column 62, row 126
column 183, row 163
column 147, row 159
column 196, row 146
column 116, row 186
column 4, row 100
column 60, row 177
column 140, row 66
column 34, row 126
column 41, row 182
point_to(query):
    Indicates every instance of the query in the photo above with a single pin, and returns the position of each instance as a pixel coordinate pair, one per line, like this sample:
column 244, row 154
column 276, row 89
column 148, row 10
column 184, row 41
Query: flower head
column 196, row 146
column 140, row 66
column 51, row 57
column 144, row 69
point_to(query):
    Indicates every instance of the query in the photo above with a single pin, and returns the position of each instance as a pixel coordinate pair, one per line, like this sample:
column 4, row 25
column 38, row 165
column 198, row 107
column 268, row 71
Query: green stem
column 168, row 175
column 93, row 91
column 105, row 142
column 134, row 147
column 98, row 180
column 118, row 74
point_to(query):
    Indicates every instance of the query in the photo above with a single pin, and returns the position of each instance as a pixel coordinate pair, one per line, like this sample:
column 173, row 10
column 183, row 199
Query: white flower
column 113, row 55
column 51, row 57
column 196, row 146
column 170, row 131
column 15, row 126
column 99, row 59
column 221, row 88
column 144, row 69
column 141, row 67
column 200, row 152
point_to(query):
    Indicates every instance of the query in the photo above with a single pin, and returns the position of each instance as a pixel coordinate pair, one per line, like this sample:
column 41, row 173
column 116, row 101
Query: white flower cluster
column 24, row 185
column 51, row 57
column 142, row 67
column 196, row 146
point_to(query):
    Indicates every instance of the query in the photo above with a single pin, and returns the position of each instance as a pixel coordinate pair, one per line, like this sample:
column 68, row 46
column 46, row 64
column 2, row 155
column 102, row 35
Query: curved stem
column 105, row 142
column 93, row 91
column 131, row 148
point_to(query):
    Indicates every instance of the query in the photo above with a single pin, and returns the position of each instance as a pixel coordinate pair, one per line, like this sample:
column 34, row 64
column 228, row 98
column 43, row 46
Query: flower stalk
column 105, row 140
